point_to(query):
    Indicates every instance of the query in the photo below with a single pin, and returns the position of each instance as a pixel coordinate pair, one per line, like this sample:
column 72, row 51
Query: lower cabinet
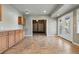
column 17, row 36
column 21, row 34
column 3, row 43
column 0, row 44
column 11, row 38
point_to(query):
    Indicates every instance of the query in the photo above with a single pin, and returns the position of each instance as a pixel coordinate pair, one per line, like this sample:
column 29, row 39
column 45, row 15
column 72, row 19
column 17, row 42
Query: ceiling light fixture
column 44, row 11
column 27, row 11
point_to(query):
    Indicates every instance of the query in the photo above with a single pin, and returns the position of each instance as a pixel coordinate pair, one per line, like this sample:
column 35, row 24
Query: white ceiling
column 54, row 10
column 36, row 9
column 64, row 9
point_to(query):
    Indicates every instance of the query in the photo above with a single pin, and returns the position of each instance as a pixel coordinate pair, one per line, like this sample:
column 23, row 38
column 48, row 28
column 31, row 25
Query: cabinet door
column 21, row 20
column 0, row 44
column 0, row 12
column 11, row 38
column 4, row 43
column 17, row 36
column 21, row 34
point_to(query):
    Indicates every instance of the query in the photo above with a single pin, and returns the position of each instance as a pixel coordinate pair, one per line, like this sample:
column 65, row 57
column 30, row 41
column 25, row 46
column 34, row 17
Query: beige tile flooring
column 41, row 44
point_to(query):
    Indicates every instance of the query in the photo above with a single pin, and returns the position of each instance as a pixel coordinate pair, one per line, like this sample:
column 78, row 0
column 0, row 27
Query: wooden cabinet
column 11, row 38
column 21, row 20
column 0, row 12
column 17, row 36
column 21, row 34
column 0, row 44
column 3, row 41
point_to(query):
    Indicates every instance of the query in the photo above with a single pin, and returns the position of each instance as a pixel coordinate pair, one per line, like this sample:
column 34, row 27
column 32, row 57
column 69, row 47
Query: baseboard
column 75, row 43
column 28, row 35
column 51, row 35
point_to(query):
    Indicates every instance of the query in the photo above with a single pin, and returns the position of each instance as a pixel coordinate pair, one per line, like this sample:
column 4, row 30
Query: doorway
column 39, row 27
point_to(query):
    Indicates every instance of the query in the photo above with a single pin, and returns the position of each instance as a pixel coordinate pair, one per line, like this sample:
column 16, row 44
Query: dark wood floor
column 41, row 44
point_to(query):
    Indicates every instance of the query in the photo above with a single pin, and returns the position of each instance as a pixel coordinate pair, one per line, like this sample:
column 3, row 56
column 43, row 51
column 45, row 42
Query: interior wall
column 9, row 18
column 76, row 34
column 62, row 26
column 51, row 25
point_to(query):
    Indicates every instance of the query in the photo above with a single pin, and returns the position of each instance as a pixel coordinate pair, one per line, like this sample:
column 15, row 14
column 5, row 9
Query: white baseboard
column 51, row 35
column 27, row 35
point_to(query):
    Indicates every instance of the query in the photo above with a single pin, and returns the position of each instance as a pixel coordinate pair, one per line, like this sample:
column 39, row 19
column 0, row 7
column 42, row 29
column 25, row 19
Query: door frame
column 46, row 26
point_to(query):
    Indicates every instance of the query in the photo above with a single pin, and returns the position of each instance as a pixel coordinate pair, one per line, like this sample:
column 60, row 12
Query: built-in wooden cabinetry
column 21, row 20
column 17, row 36
column 3, row 41
column 9, row 39
column 0, row 45
column 0, row 12
column 21, row 34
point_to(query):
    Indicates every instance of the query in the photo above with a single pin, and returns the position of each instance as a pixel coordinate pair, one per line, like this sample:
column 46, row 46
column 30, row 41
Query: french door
column 39, row 26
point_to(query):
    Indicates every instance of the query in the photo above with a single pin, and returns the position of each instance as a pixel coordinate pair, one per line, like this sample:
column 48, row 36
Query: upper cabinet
column 21, row 20
column 0, row 12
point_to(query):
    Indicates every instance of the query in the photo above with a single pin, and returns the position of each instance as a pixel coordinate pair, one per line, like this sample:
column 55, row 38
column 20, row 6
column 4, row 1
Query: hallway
column 41, row 44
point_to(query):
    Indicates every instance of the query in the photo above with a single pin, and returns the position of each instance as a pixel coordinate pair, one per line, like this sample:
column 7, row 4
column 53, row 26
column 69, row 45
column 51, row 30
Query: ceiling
column 36, row 9
column 64, row 9
column 54, row 10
